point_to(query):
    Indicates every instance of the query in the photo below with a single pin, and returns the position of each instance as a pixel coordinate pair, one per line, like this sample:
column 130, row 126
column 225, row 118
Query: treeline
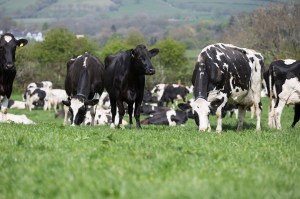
column 273, row 31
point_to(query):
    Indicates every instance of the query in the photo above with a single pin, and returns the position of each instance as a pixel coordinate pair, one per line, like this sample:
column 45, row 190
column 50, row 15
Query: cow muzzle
column 150, row 71
column 9, row 66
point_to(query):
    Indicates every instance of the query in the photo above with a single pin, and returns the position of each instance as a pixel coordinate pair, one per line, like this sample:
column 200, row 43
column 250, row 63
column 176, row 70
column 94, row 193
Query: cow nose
column 151, row 70
column 9, row 65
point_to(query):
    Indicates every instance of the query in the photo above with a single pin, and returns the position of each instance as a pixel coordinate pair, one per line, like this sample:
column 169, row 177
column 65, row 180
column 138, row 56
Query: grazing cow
column 8, row 45
column 284, row 88
column 84, row 81
column 125, row 80
column 172, row 92
column 170, row 118
column 36, row 95
column 226, row 74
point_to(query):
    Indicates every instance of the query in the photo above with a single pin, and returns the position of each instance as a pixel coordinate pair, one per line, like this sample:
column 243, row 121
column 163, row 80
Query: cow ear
column 66, row 102
column 153, row 52
column 92, row 102
column 22, row 42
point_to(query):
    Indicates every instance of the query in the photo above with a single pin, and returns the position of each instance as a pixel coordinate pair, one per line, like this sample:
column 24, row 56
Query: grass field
column 48, row 160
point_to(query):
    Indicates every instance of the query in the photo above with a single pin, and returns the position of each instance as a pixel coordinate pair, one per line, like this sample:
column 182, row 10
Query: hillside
column 34, row 11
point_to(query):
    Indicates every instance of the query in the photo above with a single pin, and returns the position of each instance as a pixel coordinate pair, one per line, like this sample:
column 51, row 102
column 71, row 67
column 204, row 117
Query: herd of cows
column 225, row 77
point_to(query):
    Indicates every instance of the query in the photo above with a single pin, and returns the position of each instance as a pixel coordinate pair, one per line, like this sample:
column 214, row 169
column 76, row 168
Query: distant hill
column 41, row 11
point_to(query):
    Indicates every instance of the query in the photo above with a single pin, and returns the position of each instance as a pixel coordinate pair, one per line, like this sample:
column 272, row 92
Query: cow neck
column 83, row 88
column 201, row 82
column 133, row 74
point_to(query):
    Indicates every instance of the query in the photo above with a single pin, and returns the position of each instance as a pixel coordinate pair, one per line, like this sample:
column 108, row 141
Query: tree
column 172, row 61
column 272, row 30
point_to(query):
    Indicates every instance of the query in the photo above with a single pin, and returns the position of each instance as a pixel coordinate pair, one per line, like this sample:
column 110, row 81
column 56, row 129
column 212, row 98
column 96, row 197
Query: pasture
column 48, row 160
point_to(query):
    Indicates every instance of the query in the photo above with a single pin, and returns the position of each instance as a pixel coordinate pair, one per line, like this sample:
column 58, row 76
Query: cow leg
column 4, row 108
column 241, row 114
column 113, row 105
column 278, row 111
column 257, row 108
column 66, row 111
column 219, row 121
column 121, row 113
column 271, row 115
column 252, row 110
column 130, row 111
column 137, row 113
column 296, row 114
column 93, row 113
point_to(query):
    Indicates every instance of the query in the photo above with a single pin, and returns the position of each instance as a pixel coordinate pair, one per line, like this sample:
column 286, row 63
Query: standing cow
column 226, row 74
column 83, row 82
column 284, row 88
column 8, row 44
column 125, row 80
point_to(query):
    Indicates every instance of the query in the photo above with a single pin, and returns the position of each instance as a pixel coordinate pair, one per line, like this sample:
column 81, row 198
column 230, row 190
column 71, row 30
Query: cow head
column 78, row 107
column 201, row 111
column 142, row 59
column 8, row 45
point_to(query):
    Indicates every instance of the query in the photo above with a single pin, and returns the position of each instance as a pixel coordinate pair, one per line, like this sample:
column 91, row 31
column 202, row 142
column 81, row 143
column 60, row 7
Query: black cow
column 172, row 92
column 8, row 44
column 83, row 82
column 170, row 118
column 226, row 74
column 283, row 86
column 125, row 80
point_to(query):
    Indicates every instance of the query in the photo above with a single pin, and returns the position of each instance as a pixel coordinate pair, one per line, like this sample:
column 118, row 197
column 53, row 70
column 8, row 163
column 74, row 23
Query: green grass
column 48, row 160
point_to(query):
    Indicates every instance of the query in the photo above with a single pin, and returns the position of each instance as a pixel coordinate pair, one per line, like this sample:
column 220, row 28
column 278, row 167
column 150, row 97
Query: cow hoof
column 112, row 125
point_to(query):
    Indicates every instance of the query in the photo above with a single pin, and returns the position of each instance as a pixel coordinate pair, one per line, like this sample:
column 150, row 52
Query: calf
column 284, row 88
column 125, row 80
column 84, row 81
column 226, row 74
column 8, row 44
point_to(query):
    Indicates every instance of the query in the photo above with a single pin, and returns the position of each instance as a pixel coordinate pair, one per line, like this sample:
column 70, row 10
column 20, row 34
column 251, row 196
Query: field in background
column 183, row 10
column 48, row 160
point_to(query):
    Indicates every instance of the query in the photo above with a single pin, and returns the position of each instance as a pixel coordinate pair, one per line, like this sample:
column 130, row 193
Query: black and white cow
column 171, row 118
column 172, row 92
column 8, row 45
column 284, row 88
column 42, row 84
column 37, row 95
column 84, row 81
column 226, row 74
column 125, row 80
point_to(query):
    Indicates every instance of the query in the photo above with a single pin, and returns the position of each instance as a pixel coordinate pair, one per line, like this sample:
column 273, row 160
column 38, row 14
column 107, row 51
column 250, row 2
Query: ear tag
column 21, row 45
